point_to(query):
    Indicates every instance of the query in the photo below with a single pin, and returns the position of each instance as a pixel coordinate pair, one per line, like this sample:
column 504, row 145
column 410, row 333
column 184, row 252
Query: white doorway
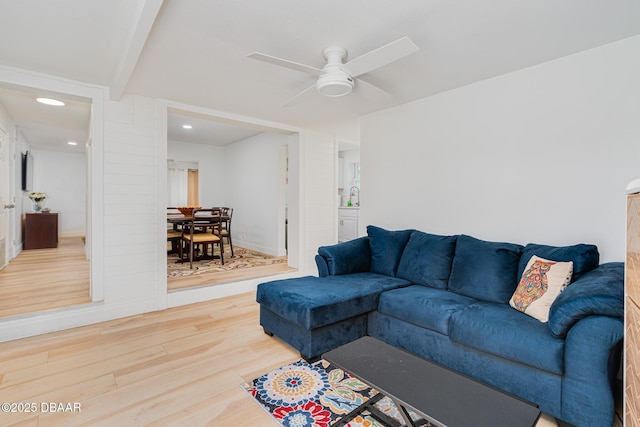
column 243, row 165
column 29, row 126
column 6, row 203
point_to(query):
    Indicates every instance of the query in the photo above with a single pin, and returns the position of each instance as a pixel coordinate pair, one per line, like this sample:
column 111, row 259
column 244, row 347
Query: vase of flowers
column 37, row 198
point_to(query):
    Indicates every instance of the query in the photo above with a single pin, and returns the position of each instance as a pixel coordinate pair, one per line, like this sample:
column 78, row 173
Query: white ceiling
column 204, row 130
column 195, row 52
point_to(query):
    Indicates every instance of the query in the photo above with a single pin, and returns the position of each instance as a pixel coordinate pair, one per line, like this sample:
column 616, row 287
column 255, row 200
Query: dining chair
column 225, row 226
column 202, row 231
column 174, row 234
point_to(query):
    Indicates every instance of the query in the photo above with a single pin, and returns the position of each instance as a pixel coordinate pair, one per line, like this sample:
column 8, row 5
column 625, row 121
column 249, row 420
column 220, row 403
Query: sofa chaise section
column 315, row 315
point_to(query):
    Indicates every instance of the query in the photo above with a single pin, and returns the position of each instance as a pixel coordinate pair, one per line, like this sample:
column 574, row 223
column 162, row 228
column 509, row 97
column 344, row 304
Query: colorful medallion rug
column 321, row 395
column 242, row 258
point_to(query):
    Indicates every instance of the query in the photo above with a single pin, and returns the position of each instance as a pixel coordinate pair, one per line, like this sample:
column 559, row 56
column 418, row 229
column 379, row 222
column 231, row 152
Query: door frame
column 21, row 79
column 7, row 198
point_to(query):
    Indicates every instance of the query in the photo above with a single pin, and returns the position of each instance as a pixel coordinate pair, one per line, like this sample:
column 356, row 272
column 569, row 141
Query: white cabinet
column 348, row 223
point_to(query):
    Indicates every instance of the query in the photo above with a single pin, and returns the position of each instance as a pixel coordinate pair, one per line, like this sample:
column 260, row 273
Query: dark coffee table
column 444, row 397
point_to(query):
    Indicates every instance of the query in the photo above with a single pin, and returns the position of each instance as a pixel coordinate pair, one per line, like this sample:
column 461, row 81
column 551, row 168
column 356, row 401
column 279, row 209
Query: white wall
column 318, row 179
column 63, row 177
column 211, row 166
column 128, row 207
column 244, row 176
column 538, row 155
column 251, row 180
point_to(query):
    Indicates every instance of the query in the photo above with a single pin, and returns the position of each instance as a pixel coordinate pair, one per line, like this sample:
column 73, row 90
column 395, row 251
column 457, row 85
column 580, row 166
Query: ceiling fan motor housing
column 334, row 81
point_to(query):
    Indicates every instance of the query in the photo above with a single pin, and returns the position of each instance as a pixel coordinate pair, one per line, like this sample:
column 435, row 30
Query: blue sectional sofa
column 446, row 298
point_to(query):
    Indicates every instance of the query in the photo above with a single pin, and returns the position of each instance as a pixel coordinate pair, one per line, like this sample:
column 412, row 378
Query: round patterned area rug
column 319, row 395
column 302, row 394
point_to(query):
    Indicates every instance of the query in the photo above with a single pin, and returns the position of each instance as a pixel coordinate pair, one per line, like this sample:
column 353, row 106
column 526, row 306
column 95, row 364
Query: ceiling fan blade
column 381, row 56
column 308, row 92
column 371, row 92
column 285, row 63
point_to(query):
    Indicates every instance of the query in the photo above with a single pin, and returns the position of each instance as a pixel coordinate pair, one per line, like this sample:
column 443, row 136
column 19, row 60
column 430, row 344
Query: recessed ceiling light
column 72, row 143
column 50, row 101
column 187, row 127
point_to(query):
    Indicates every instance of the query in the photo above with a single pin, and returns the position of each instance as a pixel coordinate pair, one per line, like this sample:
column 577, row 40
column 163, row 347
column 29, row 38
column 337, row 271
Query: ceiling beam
column 147, row 13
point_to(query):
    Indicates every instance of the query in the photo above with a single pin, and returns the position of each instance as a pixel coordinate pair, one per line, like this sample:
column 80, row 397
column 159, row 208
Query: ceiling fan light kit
column 337, row 78
column 334, row 84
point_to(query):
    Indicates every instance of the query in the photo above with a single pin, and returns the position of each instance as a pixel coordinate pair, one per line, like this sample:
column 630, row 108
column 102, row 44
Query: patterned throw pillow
column 542, row 281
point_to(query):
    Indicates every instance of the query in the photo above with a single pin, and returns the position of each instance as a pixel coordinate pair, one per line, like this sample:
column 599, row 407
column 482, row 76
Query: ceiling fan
column 338, row 78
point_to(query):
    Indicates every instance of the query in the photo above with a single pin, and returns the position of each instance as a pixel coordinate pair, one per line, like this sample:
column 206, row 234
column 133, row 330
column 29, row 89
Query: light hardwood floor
column 178, row 367
column 220, row 277
column 45, row 279
column 181, row 366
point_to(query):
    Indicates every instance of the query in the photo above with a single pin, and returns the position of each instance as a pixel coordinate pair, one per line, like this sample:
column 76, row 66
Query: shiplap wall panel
column 320, row 195
column 130, row 199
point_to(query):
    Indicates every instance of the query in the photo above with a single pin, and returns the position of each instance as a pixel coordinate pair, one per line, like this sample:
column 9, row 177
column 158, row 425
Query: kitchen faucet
column 355, row 191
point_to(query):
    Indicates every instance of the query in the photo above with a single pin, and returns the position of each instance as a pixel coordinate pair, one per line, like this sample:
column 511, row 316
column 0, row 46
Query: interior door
column 5, row 203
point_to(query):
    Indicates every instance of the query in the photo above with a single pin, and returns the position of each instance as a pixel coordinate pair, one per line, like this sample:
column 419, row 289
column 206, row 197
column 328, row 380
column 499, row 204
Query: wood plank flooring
column 180, row 366
column 45, row 279
column 220, row 277
column 48, row 279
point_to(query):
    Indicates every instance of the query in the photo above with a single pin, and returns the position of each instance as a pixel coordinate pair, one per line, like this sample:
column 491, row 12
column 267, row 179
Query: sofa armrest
column 592, row 360
column 323, row 268
column 353, row 256
column 599, row 292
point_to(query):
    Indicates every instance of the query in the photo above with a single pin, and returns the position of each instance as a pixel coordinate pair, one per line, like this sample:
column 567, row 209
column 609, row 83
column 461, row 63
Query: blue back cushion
column 585, row 257
column 386, row 248
column 349, row 257
column 427, row 259
column 484, row 270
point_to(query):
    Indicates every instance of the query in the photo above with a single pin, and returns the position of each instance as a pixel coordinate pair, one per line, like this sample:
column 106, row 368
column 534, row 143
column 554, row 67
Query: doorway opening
column 58, row 140
column 242, row 166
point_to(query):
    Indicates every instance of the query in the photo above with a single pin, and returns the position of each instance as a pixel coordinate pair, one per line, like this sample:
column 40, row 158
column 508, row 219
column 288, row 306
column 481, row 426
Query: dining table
column 179, row 221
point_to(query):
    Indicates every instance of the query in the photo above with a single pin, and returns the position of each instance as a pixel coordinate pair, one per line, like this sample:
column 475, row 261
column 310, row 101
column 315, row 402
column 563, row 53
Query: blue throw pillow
column 427, row 259
column 386, row 248
column 585, row 257
column 484, row 270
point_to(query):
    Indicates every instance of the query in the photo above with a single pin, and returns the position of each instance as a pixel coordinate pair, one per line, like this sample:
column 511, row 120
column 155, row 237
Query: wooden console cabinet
column 632, row 311
column 40, row 230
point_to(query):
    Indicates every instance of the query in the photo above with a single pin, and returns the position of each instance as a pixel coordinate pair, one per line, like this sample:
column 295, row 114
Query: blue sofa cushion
column 502, row 331
column 423, row 306
column 312, row 302
column 599, row 292
column 484, row 270
column 585, row 257
column 353, row 256
column 386, row 248
column 427, row 259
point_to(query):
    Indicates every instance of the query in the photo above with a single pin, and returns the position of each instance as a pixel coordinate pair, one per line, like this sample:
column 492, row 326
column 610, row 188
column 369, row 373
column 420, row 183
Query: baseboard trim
column 27, row 325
